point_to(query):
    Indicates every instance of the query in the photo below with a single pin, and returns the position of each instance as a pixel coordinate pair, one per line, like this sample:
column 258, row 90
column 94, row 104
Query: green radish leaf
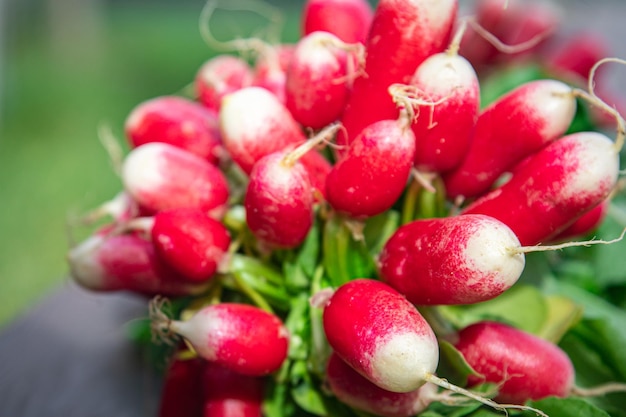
column 522, row 306
column 452, row 364
column 378, row 229
column 308, row 255
column 306, row 392
column 299, row 326
column 566, row 407
column 562, row 314
column 345, row 257
column 609, row 262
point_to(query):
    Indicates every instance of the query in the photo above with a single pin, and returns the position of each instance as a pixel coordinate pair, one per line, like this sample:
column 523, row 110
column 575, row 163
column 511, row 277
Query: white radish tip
column 320, row 299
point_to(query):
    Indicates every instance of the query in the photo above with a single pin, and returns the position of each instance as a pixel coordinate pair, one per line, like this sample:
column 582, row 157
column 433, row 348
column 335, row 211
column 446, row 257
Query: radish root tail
column 160, row 325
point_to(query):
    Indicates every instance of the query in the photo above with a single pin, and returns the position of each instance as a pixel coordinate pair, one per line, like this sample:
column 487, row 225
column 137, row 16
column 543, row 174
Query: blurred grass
column 51, row 162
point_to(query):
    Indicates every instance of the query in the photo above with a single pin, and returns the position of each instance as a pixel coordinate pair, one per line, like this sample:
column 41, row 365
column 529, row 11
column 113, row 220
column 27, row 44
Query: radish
column 279, row 201
column 452, row 260
column 374, row 170
column 229, row 393
column 181, row 394
column 254, row 123
column 444, row 94
column 280, row 195
column 240, row 337
column 516, row 125
column 125, row 262
column 160, row 176
column 524, row 366
column 177, row 121
column 270, row 69
column 586, row 223
column 521, row 28
column 318, row 85
column 349, row 20
column 552, row 188
column 219, row 76
column 402, row 35
column 191, row 242
column 358, row 392
column 383, row 337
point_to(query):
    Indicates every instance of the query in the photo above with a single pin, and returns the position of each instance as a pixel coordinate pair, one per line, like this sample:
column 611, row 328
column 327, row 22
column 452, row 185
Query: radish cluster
column 310, row 204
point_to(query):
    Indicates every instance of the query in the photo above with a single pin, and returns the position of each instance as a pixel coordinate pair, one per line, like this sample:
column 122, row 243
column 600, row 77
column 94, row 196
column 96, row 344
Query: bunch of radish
column 299, row 222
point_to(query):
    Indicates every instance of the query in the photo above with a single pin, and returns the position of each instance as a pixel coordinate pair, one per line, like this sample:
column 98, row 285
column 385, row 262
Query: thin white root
column 592, row 98
column 324, row 136
column 505, row 48
column 160, row 322
column 455, row 44
column 268, row 11
column 425, row 179
column 111, row 146
column 586, row 243
column 462, row 391
column 611, row 387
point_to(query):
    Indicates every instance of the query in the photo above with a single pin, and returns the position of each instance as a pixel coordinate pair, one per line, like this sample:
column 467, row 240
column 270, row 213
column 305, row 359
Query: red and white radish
column 228, row 393
column 381, row 335
column 221, row 75
column 552, row 188
column 516, row 125
column 254, row 123
column 240, row 337
column 358, row 392
column 177, row 121
column 349, row 20
column 125, row 262
column 190, row 241
column 270, row 69
column 160, row 176
column 318, row 84
column 452, row 260
column 279, row 201
column 444, row 93
column 402, row 35
column 374, row 170
column 181, row 393
column 585, row 224
column 524, row 366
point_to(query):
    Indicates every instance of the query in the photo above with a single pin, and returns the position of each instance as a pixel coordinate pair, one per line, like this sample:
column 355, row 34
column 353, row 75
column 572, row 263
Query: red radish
column 228, row 393
column 403, row 34
column 586, row 223
column 240, row 337
column 160, row 176
column 177, row 121
column 349, row 20
column 524, row 26
column 317, row 86
column 181, row 394
column 190, row 241
column 279, row 201
column 448, row 101
column 358, row 392
column 219, row 76
column 452, row 260
column 552, row 188
column 524, row 366
column 576, row 55
column 516, row 125
column 374, row 170
column 270, row 69
column 318, row 168
column 117, row 262
column 254, row 123
column 381, row 335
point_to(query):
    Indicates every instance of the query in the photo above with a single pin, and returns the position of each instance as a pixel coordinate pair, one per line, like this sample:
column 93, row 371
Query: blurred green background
column 66, row 67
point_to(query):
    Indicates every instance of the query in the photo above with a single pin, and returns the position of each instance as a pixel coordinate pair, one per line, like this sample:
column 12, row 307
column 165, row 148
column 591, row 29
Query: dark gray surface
column 69, row 355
